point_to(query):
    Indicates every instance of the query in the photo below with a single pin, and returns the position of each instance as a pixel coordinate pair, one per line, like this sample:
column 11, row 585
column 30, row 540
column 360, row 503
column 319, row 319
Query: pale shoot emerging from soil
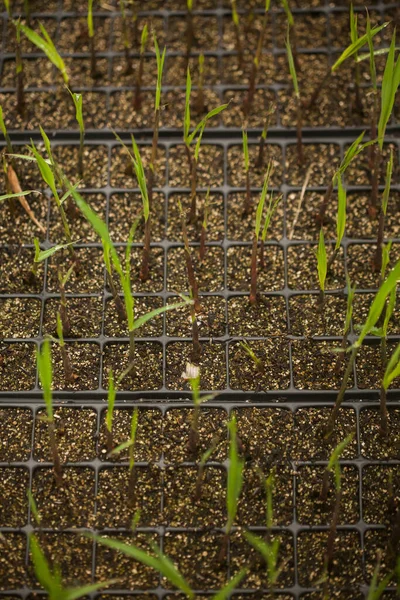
column 256, row 63
column 374, row 314
column 234, row 482
column 269, row 546
column 236, row 24
column 138, row 86
column 258, row 363
column 110, row 411
column 293, row 74
column 256, row 236
column 45, row 370
column 51, row 580
column 188, row 138
column 155, row 560
column 78, row 103
column 46, row 44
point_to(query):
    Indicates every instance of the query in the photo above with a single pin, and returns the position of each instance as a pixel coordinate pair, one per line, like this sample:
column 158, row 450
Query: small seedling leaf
column 392, row 368
column 341, row 212
column 390, row 83
column 110, row 401
column 46, row 45
column 43, row 358
column 322, row 264
column 225, row 592
column 140, row 321
column 357, row 45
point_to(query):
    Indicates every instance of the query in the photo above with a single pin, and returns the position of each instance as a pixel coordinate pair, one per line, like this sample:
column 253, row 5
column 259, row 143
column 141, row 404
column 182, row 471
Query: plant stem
column 80, row 153
column 332, row 259
column 196, row 352
column 325, row 486
column 321, row 301
column 137, row 103
column 374, row 161
column 66, row 324
column 339, row 399
column 193, row 199
column 93, row 68
column 203, row 237
column 320, row 218
column 68, row 373
column 189, row 38
column 254, row 69
column 318, row 88
column 132, row 485
column 332, row 531
column 131, row 347
column 299, row 125
column 384, row 426
column 341, row 355
column 145, row 267
column 54, row 453
column 109, row 441
column 118, row 302
column 194, row 438
column 377, row 263
column 247, row 201
column 253, row 272
column 20, row 81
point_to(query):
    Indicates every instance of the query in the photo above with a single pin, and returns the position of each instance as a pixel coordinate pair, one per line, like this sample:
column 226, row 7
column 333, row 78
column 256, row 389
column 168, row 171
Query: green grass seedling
column 8, row 8
column 160, row 59
column 130, row 444
column 189, row 137
column 247, row 104
column 203, row 461
column 19, row 70
column 384, row 204
column 155, row 560
column 353, row 38
column 348, row 52
column 256, row 236
column 90, row 24
column 189, row 32
column 125, row 37
column 43, row 358
column 226, row 592
column 51, row 580
column 33, row 508
column 333, row 467
column 110, row 412
column 391, row 372
column 62, row 281
column 347, row 324
column 340, row 220
column 271, row 209
column 374, row 314
column 137, row 103
column 78, row 103
column 234, row 484
column 378, row 588
column 68, row 370
column 268, row 547
column 236, row 25
column 260, row 158
column 47, row 46
column 293, row 74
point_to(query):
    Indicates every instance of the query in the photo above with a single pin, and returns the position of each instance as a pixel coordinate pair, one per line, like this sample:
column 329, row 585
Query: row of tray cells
column 22, row 317
column 16, row 263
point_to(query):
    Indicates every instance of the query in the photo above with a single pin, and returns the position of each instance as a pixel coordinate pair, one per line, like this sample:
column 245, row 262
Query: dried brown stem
column 118, row 302
column 15, row 187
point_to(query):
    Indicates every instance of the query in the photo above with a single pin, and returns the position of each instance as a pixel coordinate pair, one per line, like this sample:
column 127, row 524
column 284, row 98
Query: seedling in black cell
column 258, row 363
column 19, row 70
column 299, row 124
column 257, row 228
column 247, row 104
column 374, row 314
column 110, row 412
column 125, row 37
column 260, row 159
column 78, row 103
column 204, row 226
column 189, row 32
column 68, row 370
column 138, row 86
column 247, row 201
column 46, row 44
column 347, row 324
column 377, row 264
column 271, row 209
column 203, row 461
column 62, row 281
column 193, row 286
column 200, row 86
column 130, row 444
column 43, row 358
column 236, row 24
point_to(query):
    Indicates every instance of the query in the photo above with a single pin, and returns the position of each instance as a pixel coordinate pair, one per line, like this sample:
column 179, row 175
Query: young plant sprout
column 62, row 281
column 189, row 32
column 235, row 20
column 43, row 358
column 340, row 220
column 291, row 29
column 353, row 39
column 160, row 58
column 68, row 371
column 392, row 368
column 111, row 259
column 188, row 139
column 374, row 314
column 260, row 158
column 33, row 508
column 51, row 581
column 204, row 226
column 155, row 560
column 46, row 44
column 125, row 37
column 194, row 290
column 203, row 461
column 377, row 264
column 110, row 412
column 137, row 103
column 93, row 66
column 131, row 445
column 257, row 227
column 41, row 255
column 258, row 363
column 200, row 86
column 293, row 74
column 347, row 324
column 271, row 209
column 268, row 548
column 192, row 375
column 378, row 588
column 19, row 70
column 78, row 103
column 234, row 483
column 247, row 201
column 8, row 8
column 333, row 467
column 256, row 63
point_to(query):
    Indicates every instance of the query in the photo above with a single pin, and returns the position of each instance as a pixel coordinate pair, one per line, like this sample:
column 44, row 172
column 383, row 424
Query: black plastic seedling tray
column 324, row 19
